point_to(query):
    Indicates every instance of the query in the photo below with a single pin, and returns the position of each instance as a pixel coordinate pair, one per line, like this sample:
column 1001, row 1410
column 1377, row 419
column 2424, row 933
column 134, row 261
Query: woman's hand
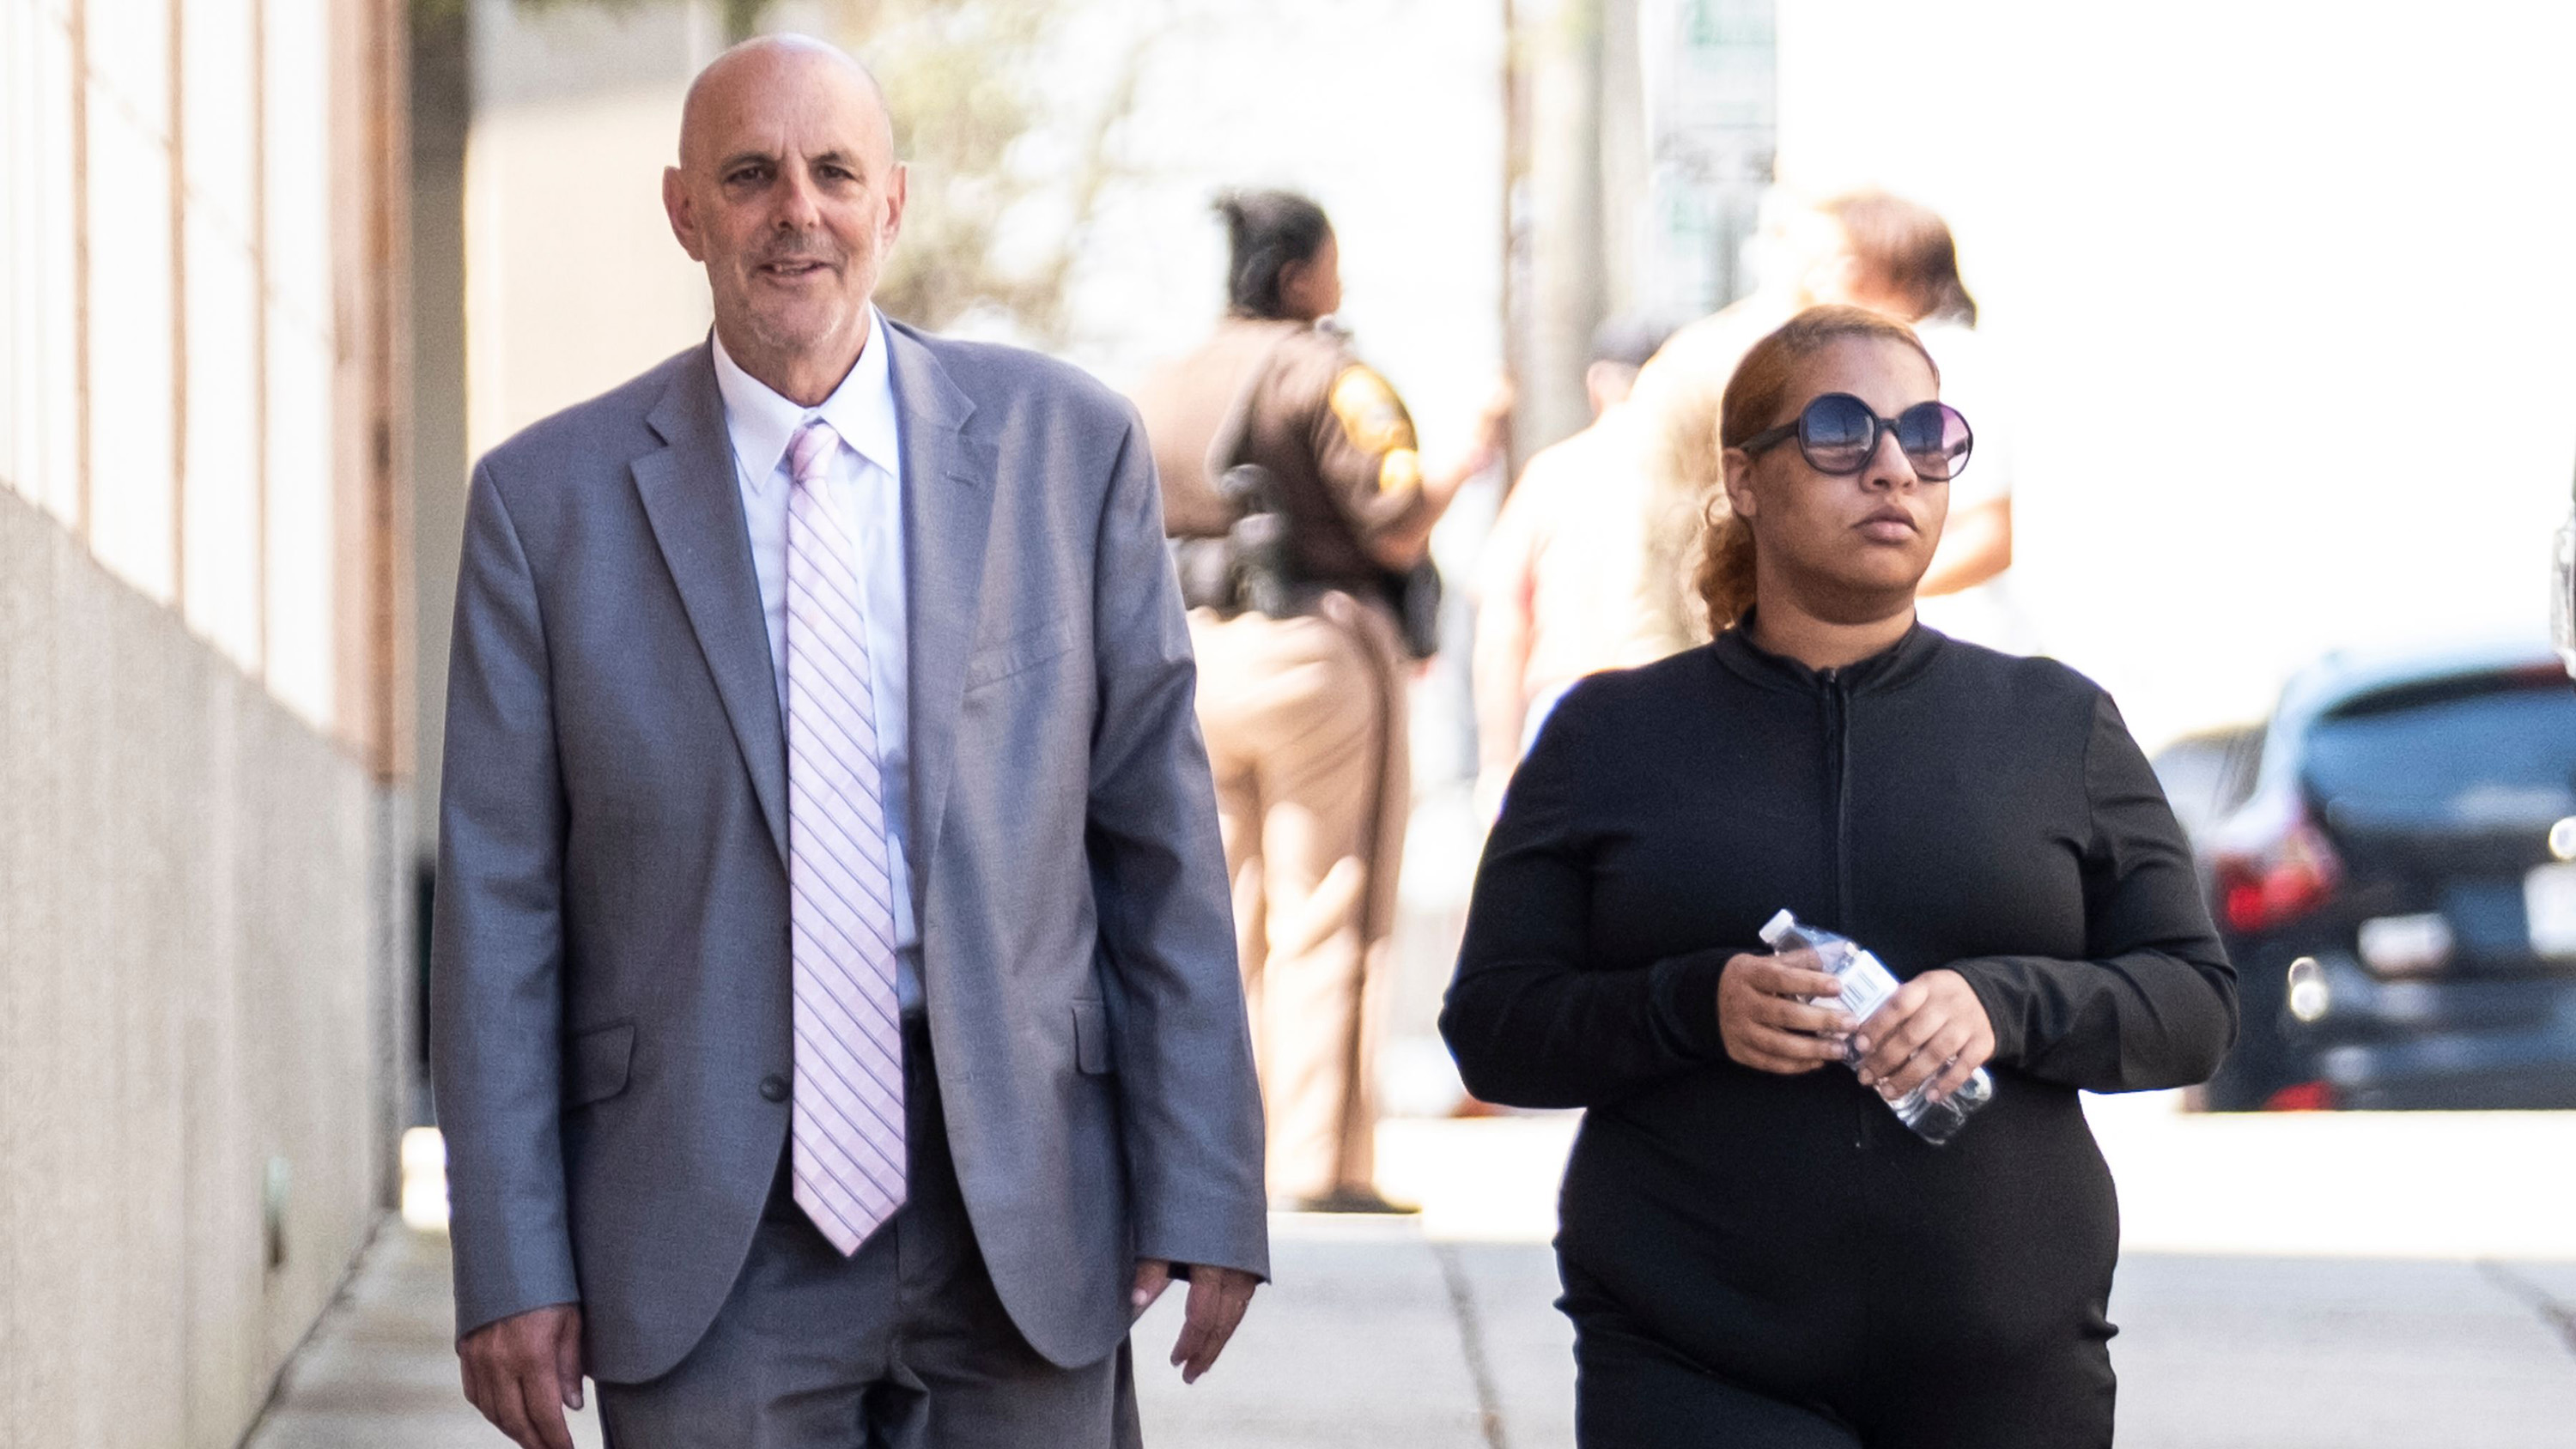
column 1769, row 1022
column 1933, row 1028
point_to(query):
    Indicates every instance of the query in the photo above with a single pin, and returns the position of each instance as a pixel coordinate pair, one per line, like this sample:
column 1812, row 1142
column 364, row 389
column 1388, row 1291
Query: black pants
column 1633, row 1391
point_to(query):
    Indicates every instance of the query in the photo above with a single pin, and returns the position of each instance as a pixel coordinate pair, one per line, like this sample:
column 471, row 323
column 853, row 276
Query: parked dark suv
column 2392, row 862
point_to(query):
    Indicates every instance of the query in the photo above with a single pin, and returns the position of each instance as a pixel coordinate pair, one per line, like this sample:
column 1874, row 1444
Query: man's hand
column 1218, row 1297
column 1933, row 1029
column 1766, row 1013
column 525, row 1370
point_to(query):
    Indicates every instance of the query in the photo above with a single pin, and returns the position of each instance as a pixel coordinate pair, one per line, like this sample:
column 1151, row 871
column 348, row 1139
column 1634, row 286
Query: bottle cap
column 1777, row 927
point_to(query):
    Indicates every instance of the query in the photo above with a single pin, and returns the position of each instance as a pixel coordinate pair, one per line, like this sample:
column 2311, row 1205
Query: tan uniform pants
column 1305, row 726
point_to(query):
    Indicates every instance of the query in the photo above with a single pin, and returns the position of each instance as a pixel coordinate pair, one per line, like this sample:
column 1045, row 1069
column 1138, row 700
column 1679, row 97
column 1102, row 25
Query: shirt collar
column 861, row 410
column 1887, row 668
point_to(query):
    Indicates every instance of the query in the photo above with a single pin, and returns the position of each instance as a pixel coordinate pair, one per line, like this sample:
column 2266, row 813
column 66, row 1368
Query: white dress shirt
column 1988, row 613
column 865, row 488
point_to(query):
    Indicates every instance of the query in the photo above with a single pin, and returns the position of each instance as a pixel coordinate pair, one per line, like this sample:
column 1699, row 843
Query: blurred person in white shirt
column 1672, row 414
column 1560, row 585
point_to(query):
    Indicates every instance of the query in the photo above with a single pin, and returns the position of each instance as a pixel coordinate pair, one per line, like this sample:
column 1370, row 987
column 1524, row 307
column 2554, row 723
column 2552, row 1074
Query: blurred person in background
column 1897, row 258
column 1560, row 583
column 1757, row 1252
column 820, row 695
column 1293, row 488
column 1673, row 410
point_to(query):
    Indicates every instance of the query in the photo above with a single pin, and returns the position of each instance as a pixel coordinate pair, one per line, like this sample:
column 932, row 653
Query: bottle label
column 1867, row 984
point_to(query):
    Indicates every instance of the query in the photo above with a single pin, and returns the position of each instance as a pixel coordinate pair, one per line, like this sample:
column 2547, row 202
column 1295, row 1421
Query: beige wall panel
column 298, row 101
column 301, row 567
column 132, row 448
column 219, row 112
column 223, row 459
column 185, row 996
column 47, row 453
column 573, row 282
column 301, row 524
column 129, row 60
column 18, row 110
column 362, row 270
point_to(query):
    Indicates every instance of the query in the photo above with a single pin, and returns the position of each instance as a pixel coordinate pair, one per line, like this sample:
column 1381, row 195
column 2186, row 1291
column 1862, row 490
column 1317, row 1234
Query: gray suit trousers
column 902, row 1345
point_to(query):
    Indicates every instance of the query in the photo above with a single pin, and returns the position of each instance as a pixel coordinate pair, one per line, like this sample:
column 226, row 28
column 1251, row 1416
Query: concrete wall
column 196, row 932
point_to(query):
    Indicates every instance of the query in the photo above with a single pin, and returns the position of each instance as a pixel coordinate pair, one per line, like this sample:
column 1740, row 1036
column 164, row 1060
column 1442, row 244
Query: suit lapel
column 695, row 503
column 948, row 484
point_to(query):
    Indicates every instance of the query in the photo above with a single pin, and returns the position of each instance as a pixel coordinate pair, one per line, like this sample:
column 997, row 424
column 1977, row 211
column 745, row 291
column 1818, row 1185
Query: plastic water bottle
column 1866, row 986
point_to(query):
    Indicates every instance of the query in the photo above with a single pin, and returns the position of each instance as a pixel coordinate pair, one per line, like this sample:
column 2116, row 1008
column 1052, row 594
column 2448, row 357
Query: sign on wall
column 1711, row 88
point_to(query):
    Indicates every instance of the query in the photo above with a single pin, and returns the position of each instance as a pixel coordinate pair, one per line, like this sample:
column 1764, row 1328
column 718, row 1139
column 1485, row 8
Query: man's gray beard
column 778, row 342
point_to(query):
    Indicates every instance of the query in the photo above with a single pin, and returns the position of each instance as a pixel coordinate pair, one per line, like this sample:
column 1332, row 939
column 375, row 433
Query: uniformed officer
column 1302, row 666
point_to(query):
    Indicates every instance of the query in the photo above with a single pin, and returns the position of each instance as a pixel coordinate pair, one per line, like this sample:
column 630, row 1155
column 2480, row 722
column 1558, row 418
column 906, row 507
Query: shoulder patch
column 1401, row 469
column 1372, row 416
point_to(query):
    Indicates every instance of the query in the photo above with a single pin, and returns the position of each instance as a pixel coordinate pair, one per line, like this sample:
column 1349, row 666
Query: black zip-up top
column 1944, row 805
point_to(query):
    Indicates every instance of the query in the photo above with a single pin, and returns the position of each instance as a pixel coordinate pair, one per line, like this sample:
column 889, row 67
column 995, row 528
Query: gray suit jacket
column 610, row 956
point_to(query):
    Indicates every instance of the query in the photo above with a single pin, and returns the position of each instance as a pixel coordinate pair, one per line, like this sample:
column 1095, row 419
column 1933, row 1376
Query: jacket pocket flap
column 1024, row 650
column 596, row 1063
column 1091, row 1053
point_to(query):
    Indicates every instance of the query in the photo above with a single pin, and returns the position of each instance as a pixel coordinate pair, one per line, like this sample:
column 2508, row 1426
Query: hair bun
column 1266, row 231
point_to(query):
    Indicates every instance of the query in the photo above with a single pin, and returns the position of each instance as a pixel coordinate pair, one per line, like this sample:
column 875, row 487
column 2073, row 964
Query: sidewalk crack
column 1471, row 1342
column 2559, row 1316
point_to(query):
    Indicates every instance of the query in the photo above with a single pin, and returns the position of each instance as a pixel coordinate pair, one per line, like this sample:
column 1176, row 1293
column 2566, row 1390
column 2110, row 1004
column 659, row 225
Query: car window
column 2482, row 750
column 2205, row 776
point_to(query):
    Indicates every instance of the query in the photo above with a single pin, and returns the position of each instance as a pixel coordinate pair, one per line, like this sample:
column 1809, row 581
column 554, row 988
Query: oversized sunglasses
column 1838, row 435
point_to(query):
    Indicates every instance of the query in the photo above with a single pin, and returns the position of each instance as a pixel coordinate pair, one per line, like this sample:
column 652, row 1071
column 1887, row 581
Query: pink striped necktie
column 848, row 1119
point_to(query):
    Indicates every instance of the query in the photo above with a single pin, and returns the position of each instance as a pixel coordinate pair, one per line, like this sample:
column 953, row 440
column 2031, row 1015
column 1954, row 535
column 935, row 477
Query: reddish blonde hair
column 1756, row 396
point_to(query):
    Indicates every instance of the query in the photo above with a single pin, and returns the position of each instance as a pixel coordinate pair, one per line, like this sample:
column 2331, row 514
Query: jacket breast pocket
column 597, row 1063
column 1023, row 651
column 1092, row 1054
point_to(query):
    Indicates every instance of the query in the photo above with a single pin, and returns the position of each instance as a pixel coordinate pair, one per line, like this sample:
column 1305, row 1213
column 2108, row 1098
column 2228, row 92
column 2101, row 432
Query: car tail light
column 2274, row 868
column 2302, row 1097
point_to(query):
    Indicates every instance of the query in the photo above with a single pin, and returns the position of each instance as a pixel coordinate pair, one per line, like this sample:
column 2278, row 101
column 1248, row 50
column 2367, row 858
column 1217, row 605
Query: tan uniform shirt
column 1329, row 428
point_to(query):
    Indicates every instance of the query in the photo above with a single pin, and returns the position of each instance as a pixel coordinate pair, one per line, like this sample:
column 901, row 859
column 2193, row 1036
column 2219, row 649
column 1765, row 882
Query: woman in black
column 1755, row 1250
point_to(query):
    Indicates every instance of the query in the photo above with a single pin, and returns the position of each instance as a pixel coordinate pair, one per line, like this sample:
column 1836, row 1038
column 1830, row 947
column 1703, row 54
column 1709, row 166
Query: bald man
column 837, row 1033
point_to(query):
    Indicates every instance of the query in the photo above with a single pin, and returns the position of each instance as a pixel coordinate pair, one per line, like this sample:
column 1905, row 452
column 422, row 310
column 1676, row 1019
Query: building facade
column 204, row 696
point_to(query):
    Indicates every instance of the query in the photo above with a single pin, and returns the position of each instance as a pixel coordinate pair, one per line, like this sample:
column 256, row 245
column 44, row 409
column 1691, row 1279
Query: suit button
column 773, row 1089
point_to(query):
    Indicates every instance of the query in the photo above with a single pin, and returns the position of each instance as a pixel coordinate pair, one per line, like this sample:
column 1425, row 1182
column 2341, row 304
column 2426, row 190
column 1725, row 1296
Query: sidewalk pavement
column 1437, row 1332
column 1374, row 1335
column 379, row 1371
